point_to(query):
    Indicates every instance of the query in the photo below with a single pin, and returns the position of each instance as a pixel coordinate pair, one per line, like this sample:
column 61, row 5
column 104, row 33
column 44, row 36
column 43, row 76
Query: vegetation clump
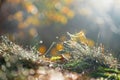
column 87, row 59
column 17, row 63
column 14, row 61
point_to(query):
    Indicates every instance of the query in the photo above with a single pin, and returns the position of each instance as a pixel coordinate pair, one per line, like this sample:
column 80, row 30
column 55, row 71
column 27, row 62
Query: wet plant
column 87, row 59
column 14, row 60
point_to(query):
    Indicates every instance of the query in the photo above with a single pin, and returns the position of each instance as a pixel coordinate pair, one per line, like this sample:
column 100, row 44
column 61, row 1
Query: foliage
column 24, row 20
column 14, row 61
column 31, row 15
column 85, row 58
column 17, row 63
column 107, row 73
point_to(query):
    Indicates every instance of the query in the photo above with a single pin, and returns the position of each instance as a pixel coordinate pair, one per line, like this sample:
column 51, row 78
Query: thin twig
column 53, row 43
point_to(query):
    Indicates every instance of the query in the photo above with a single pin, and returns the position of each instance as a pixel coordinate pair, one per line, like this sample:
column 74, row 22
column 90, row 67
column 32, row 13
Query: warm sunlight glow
column 102, row 4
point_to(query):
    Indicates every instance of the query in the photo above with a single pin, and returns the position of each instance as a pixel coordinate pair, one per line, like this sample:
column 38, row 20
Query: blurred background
column 42, row 22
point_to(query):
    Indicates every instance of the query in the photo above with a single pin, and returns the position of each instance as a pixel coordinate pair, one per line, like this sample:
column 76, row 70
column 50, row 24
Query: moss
column 109, row 73
column 15, row 59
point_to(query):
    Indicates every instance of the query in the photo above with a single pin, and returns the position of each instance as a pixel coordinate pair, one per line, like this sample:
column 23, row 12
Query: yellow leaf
column 54, row 58
column 54, row 51
column 80, row 37
column 42, row 49
column 59, row 47
column 90, row 43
